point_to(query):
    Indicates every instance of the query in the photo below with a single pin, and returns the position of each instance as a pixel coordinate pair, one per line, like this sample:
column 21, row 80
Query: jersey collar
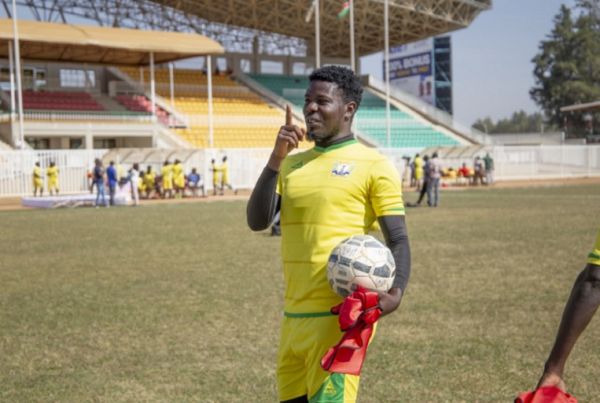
column 336, row 146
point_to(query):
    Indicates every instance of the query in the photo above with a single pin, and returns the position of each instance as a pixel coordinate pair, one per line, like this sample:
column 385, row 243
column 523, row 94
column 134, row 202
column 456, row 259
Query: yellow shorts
column 304, row 340
column 167, row 185
column 52, row 185
column 594, row 256
column 38, row 184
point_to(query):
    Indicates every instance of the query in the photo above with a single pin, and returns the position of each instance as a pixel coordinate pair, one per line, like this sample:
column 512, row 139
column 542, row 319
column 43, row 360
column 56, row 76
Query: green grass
column 182, row 302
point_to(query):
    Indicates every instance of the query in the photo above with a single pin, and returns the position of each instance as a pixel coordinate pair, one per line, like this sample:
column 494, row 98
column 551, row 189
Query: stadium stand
column 407, row 131
column 245, row 119
column 60, row 100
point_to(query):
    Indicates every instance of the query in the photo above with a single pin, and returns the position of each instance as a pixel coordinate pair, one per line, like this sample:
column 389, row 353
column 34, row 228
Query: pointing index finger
column 288, row 115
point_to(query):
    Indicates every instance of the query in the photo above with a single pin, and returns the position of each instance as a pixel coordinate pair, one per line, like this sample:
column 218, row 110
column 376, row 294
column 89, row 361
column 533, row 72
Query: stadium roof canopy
column 99, row 45
column 410, row 20
column 581, row 107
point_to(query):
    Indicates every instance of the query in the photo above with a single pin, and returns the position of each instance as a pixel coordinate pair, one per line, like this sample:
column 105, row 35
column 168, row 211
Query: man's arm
column 581, row 306
column 264, row 201
column 396, row 238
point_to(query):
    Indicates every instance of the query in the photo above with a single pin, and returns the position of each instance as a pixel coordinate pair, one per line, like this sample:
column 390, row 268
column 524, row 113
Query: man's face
column 325, row 112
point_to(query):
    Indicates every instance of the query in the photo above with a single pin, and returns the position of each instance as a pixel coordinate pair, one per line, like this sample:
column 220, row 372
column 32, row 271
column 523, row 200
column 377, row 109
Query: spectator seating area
column 60, row 100
column 242, row 118
column 139, row 103
column 406, row 130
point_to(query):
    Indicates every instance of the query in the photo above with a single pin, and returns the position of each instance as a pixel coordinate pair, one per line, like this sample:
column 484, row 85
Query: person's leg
column 430, row 186
column 97, row 195
column 325, row 387
column 423, row 191
column 291, row 369
column 437, row 192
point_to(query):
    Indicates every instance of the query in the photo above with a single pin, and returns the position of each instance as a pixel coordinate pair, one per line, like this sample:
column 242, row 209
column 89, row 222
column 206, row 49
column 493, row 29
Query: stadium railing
column 246, row 164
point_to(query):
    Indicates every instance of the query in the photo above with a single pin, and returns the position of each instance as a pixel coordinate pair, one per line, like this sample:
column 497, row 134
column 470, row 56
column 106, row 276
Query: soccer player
column 167, row 179
column 149, row 184
column 225, row 177
column 580, row 308
column 38, row 181
column 52, row 174
column 112, row 180
column 178, row 179
column 215, row 175
column 326, row 194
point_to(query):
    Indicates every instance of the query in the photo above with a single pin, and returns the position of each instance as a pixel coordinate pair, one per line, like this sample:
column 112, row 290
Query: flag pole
column 317, row 34
column 388, row 128
column 352, row 55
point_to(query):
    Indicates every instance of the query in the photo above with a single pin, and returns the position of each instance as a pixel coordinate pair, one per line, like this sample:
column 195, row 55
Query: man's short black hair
column 344, row 78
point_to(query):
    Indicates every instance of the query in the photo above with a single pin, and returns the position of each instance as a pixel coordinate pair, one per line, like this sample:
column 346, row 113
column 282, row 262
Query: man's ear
column 350, row 110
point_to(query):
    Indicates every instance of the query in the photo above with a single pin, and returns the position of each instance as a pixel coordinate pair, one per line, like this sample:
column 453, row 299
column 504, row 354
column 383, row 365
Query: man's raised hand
column 288, row 138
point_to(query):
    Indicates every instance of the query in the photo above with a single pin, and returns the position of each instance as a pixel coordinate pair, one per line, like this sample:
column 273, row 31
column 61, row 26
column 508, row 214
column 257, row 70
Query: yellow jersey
column 215, row 171
column 37, row 177
column 52, row 174
column 149, row 178
column 594, row 256
column 418, row 168
column 167, row 176
column 327, row 195
column 178, row 176
column 224, row 168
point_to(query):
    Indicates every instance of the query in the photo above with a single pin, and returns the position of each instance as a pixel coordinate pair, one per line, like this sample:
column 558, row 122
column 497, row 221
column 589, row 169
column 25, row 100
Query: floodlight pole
column 172, row 85
column 210, row 100
column 352, row 56
column 18, row 68
column 12, row 81
column 388, row 128
column 152, row 87
column 317, row 34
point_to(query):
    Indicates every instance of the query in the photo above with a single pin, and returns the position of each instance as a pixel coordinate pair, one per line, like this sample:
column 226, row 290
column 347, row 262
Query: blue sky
column 492, row 58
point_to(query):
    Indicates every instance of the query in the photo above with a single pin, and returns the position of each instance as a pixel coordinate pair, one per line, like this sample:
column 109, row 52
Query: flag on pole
column 310, row 12
column 344, row 11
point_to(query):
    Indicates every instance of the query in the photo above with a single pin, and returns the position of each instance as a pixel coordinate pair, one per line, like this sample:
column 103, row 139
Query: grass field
column 181, row 302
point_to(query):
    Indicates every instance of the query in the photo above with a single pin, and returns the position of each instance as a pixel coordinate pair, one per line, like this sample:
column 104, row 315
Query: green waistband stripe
column 593, row 255
column 307, row 314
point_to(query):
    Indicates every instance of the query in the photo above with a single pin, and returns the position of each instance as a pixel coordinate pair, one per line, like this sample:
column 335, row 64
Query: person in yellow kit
column 324, row 195
column 52, row 174
column 149, row 184
column 167, row 179
column 418, row 171
column 38, row 181
column 178, row 179
column 225, row 177
column 215, row 174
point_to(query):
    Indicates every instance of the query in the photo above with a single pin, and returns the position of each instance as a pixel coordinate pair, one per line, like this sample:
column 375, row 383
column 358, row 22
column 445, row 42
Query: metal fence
column 245, row 165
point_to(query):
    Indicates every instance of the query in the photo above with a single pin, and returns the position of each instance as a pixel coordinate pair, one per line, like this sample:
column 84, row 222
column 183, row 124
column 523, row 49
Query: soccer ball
column 360, row 260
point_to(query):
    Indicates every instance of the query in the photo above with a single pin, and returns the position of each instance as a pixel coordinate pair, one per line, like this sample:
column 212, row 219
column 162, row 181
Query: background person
column 52, row 175
column 38, row 180
column 111, row 176
column 134, row 178
column 99, row 182
column 224, row 168
column 215, row 175
column 167, row 180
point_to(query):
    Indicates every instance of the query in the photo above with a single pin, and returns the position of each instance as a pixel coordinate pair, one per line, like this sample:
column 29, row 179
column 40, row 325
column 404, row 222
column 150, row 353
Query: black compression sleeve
column 396, row 238
column 264, row 201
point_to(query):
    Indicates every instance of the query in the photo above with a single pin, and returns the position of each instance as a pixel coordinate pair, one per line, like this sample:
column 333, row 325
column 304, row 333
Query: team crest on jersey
column 342, row 169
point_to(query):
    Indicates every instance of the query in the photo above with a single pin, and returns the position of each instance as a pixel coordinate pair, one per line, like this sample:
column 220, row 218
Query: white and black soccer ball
column 360, row 260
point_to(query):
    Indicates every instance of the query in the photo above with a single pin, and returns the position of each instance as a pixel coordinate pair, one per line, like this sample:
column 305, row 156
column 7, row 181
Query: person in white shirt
column 435, row 173
column 134, row 178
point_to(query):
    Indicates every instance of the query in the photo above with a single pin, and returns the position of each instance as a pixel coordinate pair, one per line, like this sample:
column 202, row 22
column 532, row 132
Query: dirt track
column 14, row 203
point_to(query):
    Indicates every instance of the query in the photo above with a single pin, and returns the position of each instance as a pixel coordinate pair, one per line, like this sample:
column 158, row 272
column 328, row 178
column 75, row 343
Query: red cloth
column 357, row 314
column 547, row 394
